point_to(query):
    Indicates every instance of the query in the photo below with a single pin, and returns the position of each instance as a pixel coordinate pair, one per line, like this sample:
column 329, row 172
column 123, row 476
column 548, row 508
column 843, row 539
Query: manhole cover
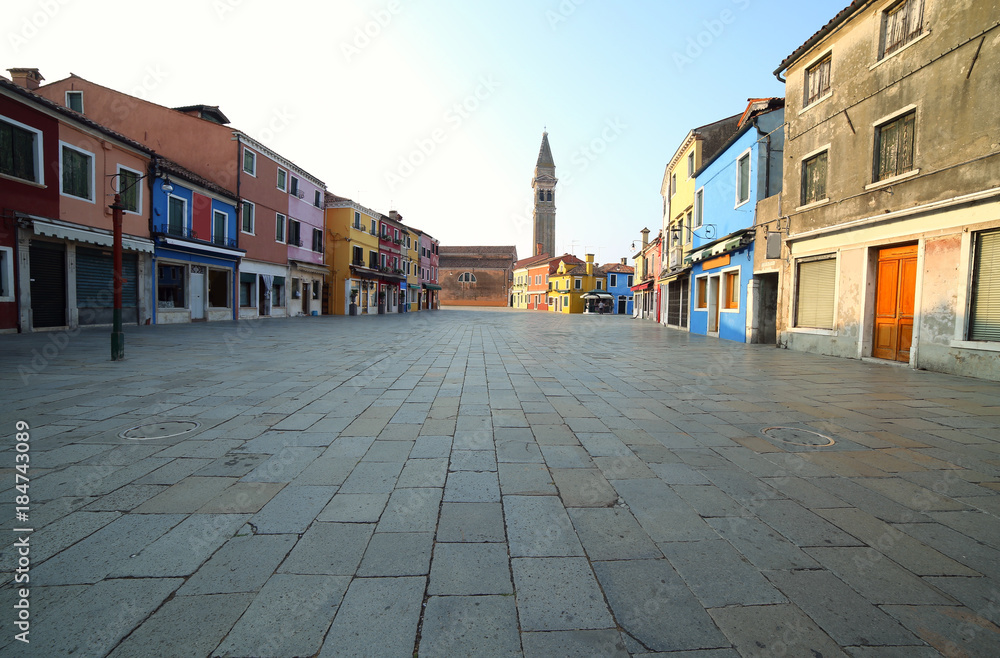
column 163, row 430
column 798, row 437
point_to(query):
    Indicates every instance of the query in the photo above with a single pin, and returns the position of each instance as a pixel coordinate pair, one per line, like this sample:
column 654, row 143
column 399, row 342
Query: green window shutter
column 815, row 293
column 984, row 322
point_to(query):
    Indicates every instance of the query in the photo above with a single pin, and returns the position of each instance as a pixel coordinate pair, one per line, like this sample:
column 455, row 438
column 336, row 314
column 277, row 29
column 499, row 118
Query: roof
column 713, row 135
column 178, row 171
column 755, row 108
column 820, row 34
column 616, row 268
column 70, row 114
column 458, row 262
column 531, row 260
column 480, row 250
column 577, row 270
column 213, row 112
column 545, row 153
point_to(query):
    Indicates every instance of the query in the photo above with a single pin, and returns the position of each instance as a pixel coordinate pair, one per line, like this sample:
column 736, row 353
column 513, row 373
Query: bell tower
column 544, row 186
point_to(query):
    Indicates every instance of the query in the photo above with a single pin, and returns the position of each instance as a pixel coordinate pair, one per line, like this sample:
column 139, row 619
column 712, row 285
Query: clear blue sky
column 436, row 107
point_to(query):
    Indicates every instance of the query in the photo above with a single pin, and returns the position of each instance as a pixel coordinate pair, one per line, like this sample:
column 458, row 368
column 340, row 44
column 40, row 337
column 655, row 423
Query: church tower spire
column 544, row 187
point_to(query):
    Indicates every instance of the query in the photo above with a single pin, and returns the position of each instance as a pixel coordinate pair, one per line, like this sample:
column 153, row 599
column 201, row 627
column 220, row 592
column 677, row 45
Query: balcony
column 188, row 234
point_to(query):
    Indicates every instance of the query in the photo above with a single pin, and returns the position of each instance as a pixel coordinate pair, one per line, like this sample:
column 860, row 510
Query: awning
column 430, row 286
column 90, row 236
column 309, row 267
column 642, row 286
column 597, row 294
column 725, row 245
column 201, row 247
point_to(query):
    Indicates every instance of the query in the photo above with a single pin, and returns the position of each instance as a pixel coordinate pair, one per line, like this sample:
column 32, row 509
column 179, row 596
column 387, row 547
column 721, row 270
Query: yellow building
column 683, row 215
column 412, row 269
column 568, row 285
column 352, row 257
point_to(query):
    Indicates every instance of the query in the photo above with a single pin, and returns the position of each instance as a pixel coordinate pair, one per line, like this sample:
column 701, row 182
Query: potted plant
column 381, row 302
column 353, row 308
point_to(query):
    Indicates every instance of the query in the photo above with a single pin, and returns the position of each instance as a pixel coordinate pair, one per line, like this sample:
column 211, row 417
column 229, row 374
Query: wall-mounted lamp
column 675, row 232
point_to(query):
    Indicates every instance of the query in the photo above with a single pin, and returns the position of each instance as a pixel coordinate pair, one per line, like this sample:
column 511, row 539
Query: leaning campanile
column 544, row 187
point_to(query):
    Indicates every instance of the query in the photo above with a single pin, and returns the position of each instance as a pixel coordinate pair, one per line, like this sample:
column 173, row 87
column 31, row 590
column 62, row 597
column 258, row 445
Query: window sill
column 814, row 204
column 729, row 310
column 815, row 332
column 926, row 33
column 981, row 345
column 32, row 183
column 891, row 180
column 816, row 102
column 247, row 232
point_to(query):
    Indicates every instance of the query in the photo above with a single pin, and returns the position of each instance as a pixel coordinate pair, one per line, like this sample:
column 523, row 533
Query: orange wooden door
column 895, row 293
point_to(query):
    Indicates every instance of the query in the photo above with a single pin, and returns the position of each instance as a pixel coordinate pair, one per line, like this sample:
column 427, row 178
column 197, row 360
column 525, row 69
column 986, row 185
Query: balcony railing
column 189, row 234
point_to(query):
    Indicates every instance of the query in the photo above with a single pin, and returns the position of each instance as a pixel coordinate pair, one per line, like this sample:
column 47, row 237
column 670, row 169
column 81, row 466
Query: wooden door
column 894, row 302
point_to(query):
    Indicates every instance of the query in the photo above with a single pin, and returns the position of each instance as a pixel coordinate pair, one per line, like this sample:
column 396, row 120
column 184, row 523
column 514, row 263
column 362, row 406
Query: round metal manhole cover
column 163, row 430
column 798, row 437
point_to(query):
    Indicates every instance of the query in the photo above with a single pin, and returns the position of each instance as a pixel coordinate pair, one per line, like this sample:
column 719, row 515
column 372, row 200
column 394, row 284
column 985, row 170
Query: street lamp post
column 117, row 335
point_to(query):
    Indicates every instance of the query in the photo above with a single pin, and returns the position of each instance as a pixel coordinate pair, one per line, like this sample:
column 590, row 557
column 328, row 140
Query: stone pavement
column 494, row 483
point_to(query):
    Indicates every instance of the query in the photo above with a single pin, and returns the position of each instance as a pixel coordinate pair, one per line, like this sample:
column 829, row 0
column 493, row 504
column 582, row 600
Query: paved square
column 493, row 482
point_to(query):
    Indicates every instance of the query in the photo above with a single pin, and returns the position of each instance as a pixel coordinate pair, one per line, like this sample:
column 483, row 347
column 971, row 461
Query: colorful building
column 304, row 235
column 538, row 284
column 391, row 249
column 618, row 281
column 570, row 281
column 353, row 256
column 477, row 275
column 526, row 292
column 745, row 170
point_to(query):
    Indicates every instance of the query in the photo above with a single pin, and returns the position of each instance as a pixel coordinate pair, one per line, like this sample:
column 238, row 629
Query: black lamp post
column 117, row 212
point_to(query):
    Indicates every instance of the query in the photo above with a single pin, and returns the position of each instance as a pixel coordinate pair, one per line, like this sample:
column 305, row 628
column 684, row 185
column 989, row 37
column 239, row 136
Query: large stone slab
column 472, row 487
column 378, row 617
column 331, row 549
column 718, row 575
column 411, row 510
column 397, row 554
column 292, row 509
column 612, row 534
column 471, row 522
column 662, row 513
column 470, row 569
column 470, row 626
column 538, row 526
column 187, row 496
column 583, row 487
column 243, row 564
column 527, row 479
column 183, row 549
column 558, row 593
column 770, row 630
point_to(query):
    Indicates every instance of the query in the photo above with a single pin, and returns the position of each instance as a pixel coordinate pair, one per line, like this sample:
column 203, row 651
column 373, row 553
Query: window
column 295, row 187
column 247, row 282
column 814, row 178
column 743, row 179
column 600, row 284
column 814, row 294
column 219, row 221
column 295, row 288
column 176, row 215
column 373, row 227
column 673, row 184
column 129, row 189
column 629, row 284
column 294, row 238
column 247, row 225
column 894, row 147
column 249, row 162
column 577, row 283
column 395, row 234
column 317, row 240
column 466, row 277
column 901, row 24
column 316, row 289
column 731, row 280
column 74, row 101
column 316, row 198
column 690, row 164
column 218, row 288
column 358, row 256
column 279, row 227
column 984, row 322
column 373, row 260
column 6, row 274
column 357, row 219
column 699, row 211
column 20, row 151
column 77, row 172
column 170, row 285
column 817, row 81
column 282, row 180
column 382, row 261
column 701, row 292
column 278, row 291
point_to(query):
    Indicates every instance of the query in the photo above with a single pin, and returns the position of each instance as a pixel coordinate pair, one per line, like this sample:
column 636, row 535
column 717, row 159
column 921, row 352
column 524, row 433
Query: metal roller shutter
column 94, row 282
column 984, row 323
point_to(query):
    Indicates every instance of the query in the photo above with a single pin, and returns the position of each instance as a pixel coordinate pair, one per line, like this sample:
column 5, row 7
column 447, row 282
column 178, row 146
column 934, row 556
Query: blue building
column 618, row 279
column 196, row 258
column 727, row 188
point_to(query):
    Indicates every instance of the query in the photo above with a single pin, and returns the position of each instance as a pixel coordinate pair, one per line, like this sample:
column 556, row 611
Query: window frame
column 293, row 235
column 37, row 152
column 726, row 296
column 612, row 281
column 316, row 198
column 993, row 284
column 701, row 292
column 896, row 119
column 228, row 294
column 745, row 156
column 75, row 93
column 699, row 212
column 690, row 163
column 136, row 186
column 317, row 239
column 183, row 287
column 804, row 200
column 247, row 152
column 225, row 227
column 184, row 215
column 280, row 221
column 355, row 251
column 63, row 146
column 909, row 37
column 246, row 205
column 808, row 76
column 282, row 182
column 577, row 283
column 796, row 322
column 7, row 275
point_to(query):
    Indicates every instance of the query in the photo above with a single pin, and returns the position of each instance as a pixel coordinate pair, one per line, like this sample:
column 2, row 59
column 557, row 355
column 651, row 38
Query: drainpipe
column 767, row 157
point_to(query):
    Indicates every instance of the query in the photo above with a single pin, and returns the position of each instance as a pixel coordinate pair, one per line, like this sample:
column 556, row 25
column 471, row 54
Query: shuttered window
column 984, row 323
column 77, row 173
column 18, row 150
column 814, row 295
column 817, row 81
column 894, row 147
column 902, row 24
column 814, row 178
column 128, row 187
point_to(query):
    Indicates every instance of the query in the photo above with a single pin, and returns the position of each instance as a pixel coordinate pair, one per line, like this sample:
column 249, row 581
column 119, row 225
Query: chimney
column 30, row 79
column 645, row 238
column 590, row 264
column 538, row 248
column 624, row 261
column 393, row 215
